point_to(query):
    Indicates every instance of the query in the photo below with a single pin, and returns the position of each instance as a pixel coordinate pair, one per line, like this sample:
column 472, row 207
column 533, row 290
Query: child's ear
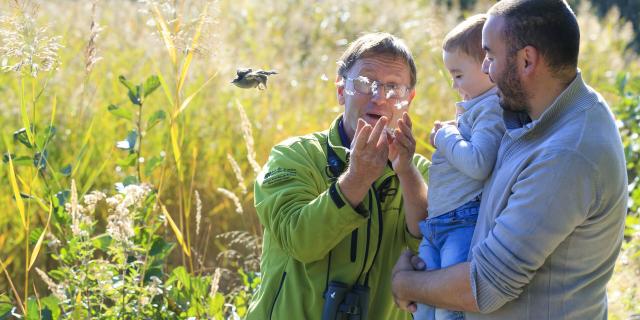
column 340, row 89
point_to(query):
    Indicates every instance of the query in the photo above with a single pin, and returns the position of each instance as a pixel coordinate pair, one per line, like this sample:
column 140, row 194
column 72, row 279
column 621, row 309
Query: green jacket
column 312, row 235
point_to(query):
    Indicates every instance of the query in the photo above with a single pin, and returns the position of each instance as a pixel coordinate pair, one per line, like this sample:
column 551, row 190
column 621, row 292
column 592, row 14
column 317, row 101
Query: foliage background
column 299, row 39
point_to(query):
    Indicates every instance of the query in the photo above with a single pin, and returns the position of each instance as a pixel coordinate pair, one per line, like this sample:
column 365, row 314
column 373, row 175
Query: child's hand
column 437, row 125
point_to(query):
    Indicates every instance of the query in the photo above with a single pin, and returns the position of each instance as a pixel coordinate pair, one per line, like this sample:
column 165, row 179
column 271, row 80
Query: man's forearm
column 448, row 288
column 414, row 194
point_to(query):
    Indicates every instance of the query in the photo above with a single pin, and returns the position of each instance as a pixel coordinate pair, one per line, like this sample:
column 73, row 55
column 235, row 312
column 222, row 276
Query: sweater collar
column 519, row 124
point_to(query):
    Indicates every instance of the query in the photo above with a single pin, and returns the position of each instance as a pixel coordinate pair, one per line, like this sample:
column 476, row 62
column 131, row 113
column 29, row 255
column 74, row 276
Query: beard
column 511, row 92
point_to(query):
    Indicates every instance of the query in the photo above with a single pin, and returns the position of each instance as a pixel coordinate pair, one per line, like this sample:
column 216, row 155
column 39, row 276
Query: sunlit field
column 129, row 157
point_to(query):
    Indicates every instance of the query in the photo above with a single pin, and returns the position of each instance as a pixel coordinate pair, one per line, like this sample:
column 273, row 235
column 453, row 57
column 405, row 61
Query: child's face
column 466, row 74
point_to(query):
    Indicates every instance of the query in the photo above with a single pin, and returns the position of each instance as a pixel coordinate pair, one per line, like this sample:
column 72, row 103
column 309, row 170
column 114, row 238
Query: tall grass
column 214, row 136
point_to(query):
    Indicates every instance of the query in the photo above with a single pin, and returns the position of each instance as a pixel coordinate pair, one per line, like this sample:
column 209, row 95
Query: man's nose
column 378, row 96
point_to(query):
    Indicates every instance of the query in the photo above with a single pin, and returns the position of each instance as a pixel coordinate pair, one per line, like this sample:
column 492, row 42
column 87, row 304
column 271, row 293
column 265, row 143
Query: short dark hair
column 467, row 37
column 548, row 25
column 376, row 43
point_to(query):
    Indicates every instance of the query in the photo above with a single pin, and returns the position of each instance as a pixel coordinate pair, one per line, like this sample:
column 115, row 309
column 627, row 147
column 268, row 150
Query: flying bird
column 247, row 78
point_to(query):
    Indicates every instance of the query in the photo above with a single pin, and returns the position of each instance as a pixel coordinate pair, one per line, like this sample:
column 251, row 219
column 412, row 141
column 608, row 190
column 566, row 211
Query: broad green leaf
column 43, row 138
column 156, row 118
column 151, row 84
column 52, row 304
column 17, row 160
column 22, row 135
column 127, row 83
column 102, row 242
column 151, row 164
column 129, row 180
column 33, row 312
column 66, row 170
column 120, row 112
column 128, row 161
column 5, row 306
column 160, row 248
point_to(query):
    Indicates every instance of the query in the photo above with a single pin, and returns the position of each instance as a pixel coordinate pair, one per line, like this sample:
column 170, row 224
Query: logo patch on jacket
column 278, row 175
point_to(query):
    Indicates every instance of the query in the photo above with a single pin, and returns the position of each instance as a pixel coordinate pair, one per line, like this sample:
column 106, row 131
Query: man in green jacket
column 339, row 206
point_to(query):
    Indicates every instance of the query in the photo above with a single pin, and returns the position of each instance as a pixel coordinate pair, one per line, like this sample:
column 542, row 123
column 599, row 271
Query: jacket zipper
column 273, row 306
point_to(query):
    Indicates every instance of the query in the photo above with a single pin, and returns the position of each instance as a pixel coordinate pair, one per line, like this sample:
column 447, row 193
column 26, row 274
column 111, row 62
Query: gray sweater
column 552, row 214
column 465, row 154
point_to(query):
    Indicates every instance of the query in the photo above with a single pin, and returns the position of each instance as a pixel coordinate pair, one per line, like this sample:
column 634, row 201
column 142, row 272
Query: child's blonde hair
column 467, row 37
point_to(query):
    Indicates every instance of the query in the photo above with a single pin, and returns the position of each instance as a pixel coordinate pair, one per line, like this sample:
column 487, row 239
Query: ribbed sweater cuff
column 487, row 296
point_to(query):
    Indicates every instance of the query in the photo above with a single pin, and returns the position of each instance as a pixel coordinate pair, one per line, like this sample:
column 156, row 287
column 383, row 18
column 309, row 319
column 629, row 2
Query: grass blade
column 166, row 34
column 36, row 249
column 13, row 288
column 194, row 44
column 177, row 155
column 16, row 193
column 176, row 231
column 186, row 101
column 25, row 117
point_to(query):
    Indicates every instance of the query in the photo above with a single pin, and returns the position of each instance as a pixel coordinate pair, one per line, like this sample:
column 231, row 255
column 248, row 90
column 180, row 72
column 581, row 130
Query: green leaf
column 155, row 118
column 5, row 306
column 151, row 84
column 17, row 160
column 129, row 180
column 33, row 313
column 66, row 170
column 40, row 160
column 216, row 304
column 35, row 234
column 128, row 161
column 22, row 136
column 151, row 164
column 102, row 242
column 160, row 248
column 52, row 304
column 44, row 137
column 120, row 112
column 126, row 83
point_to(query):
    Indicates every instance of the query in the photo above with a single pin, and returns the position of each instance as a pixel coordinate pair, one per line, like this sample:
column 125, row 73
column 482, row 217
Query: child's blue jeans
column 445, row 243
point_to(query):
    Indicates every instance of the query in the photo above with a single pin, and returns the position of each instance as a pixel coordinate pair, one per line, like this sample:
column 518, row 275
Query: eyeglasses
column 363, row 85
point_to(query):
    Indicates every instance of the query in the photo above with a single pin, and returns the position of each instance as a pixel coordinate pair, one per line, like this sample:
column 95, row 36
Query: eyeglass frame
column 375, row 84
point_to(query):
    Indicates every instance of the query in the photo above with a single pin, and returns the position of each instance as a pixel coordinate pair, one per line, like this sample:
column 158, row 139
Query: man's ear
column 412, row 94
column 340, row 89
column 530, row 56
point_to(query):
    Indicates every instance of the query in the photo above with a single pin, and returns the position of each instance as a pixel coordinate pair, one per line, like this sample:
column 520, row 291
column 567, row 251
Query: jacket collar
column 335, row 143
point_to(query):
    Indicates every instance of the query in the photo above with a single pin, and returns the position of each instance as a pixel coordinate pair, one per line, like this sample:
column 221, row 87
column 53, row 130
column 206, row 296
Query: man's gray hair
column 373, row 44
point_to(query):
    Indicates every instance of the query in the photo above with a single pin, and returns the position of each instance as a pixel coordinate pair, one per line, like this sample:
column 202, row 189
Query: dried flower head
column 120, row 222
column 238, row 173
column 185, row 23
column 56, row 289
column 236, row 201
column 198, row 212
column 24, row 46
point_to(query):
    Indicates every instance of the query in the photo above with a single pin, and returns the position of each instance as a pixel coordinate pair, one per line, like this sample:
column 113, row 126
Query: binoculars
column 342, row 303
